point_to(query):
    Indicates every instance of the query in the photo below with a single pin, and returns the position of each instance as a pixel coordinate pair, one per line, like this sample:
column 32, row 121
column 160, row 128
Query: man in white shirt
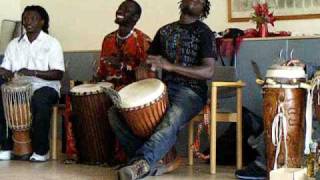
column 38, row 57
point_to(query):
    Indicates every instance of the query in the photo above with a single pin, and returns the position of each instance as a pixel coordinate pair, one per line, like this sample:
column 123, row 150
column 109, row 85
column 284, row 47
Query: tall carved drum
column 16, row 98
column 284, row 114
column 94, row 137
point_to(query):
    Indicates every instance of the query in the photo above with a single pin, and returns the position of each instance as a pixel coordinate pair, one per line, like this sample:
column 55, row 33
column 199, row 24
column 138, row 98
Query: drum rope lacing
column 279, row 130
column 310, row 89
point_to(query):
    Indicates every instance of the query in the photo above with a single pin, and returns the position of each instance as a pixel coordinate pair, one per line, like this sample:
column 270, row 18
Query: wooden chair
column 216, row 116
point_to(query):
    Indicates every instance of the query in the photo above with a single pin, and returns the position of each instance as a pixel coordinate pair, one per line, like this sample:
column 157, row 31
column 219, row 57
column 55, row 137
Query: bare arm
column 5, row 74
column 47, row 75
column 204, row 71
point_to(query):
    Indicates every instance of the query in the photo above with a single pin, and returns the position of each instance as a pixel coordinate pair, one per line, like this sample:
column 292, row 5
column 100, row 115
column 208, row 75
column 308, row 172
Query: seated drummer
column 124, row 49
column 183, row 50
column 257, row 169
column 39, row 56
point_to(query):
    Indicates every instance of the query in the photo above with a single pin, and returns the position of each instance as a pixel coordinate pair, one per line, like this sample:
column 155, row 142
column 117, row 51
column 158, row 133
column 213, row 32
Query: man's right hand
column 112, row 60
column 6, row 74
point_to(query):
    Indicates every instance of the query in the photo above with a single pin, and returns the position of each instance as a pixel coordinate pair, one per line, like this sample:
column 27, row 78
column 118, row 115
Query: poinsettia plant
column 262, row 15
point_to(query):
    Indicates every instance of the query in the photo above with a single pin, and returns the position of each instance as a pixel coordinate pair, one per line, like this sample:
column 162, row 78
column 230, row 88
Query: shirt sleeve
column 56, row 60
column 155, row 47
column 207, row 44
column 8, row 56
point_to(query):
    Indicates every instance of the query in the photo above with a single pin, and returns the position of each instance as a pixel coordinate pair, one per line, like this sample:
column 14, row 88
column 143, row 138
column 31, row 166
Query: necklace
column 125, row 37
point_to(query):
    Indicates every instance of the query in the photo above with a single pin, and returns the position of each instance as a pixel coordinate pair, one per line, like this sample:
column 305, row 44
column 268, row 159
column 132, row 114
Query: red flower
column 261, row 14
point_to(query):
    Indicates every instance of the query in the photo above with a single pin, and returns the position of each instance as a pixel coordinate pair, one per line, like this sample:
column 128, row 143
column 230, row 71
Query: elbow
column 209, row 74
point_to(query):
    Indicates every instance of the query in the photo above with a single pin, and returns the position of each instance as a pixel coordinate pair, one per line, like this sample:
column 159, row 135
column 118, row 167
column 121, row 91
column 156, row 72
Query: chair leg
column 239, row 128
column 54, row 133
column 213, row 131
column 190, row 142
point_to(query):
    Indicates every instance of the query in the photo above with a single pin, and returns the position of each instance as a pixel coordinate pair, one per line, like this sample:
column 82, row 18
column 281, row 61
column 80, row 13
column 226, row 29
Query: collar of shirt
column 42, row 35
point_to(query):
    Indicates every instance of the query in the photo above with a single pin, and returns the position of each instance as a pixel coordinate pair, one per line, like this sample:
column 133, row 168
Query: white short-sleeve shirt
column 43, row 54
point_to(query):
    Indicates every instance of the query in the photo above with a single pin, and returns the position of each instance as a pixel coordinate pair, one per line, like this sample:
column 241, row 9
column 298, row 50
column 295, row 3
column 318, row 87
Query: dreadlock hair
column 206, row 9
column 138, row 9
column 43, row 14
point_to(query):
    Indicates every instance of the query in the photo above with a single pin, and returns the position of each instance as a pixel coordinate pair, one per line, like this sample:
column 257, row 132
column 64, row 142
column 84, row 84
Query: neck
column 187, row 19
column 124, row 30
column 32, row 36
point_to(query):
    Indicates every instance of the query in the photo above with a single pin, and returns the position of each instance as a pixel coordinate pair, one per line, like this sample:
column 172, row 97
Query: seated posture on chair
column 38, row 59
column 183, row 50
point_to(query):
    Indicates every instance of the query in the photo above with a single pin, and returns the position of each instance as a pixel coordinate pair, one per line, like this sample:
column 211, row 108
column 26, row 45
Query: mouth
column 119, row 16
column 29, row 27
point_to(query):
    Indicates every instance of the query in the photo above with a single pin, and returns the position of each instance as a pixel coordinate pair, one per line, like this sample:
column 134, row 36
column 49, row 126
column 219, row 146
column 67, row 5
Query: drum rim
column 138, row 82
column 163, row 95
column 100, row 91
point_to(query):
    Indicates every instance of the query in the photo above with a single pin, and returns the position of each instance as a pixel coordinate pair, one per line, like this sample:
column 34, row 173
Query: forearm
column 48, row 75
column 195, row 72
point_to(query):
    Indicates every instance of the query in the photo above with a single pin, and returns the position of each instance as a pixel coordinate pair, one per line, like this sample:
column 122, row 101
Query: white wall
column 82, row 24
column 219, row 21
column 10, row 9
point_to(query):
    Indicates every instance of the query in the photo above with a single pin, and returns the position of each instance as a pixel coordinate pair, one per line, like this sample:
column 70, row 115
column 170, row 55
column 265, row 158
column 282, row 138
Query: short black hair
column 43, row 14
column 138, row 9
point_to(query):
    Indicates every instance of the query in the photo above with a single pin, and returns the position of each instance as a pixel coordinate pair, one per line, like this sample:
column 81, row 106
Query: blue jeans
column 184, row 105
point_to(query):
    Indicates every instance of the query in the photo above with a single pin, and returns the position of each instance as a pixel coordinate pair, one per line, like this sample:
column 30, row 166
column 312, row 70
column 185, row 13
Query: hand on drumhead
column 295, row 62
column 158, row 62
column 6, row 74
column 112, row 60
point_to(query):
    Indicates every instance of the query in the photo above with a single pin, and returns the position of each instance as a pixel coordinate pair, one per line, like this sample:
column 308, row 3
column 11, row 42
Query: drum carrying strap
column 279, row 130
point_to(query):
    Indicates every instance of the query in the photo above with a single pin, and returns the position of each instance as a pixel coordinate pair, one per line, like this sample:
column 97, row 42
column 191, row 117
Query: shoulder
column 110, row 35
column 141, row 34
column 203, row 27
column 52, row 40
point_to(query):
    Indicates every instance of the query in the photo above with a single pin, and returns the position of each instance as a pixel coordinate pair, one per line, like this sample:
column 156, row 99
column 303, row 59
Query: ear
column 135, row 18
column 42, row 23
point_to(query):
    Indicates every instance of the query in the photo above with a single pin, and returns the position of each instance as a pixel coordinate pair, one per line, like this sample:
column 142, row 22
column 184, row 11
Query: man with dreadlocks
column 183, row 50
column 38, row 58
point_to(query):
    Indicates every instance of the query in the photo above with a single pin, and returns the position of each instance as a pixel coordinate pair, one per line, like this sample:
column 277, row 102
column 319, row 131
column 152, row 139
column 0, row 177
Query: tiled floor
column 56, row 170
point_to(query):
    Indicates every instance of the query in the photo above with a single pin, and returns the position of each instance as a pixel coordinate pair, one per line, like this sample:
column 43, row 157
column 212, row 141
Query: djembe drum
column 284, row 114
column 143, row 104
column 94, row 138
column 16, row 98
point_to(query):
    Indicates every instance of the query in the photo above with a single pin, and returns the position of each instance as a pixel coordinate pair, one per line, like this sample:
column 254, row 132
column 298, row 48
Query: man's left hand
column 26, row 72
column 159, row 62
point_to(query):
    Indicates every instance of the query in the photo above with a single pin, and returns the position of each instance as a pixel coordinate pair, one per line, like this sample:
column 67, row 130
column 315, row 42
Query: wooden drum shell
column 294, row 105
column 143, row 119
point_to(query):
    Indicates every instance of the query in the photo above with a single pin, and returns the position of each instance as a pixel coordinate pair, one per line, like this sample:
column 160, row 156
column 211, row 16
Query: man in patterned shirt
column 183, row 50
column 124, row 49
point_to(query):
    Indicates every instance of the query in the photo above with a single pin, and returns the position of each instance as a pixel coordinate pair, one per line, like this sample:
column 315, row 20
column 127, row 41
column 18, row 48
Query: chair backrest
column 9, row 30
column 224, row 74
